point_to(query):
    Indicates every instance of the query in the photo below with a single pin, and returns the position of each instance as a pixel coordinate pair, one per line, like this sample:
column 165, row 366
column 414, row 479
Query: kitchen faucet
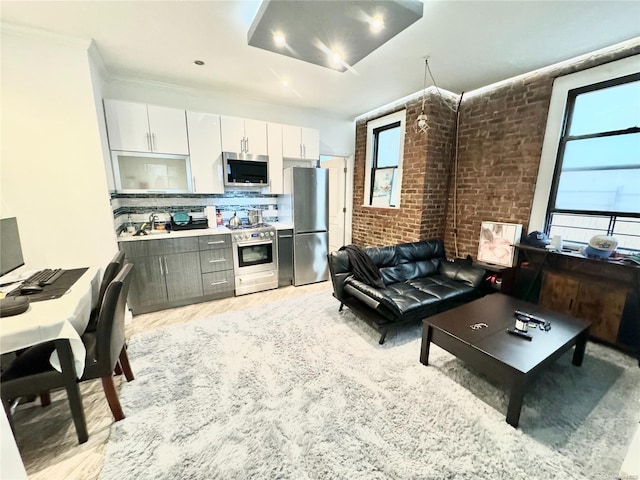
column 153, row 218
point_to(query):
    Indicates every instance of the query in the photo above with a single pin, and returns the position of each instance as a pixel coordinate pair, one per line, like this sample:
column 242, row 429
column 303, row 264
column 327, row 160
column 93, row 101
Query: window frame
column 560, row 109
column 375, row 126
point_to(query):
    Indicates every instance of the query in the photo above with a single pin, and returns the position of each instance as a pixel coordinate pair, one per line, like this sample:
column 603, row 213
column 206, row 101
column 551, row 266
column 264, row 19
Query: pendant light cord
column 455, row 178
column 428, row 69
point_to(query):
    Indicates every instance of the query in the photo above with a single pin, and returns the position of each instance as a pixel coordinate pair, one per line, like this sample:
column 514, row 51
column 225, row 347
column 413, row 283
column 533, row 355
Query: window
column 590, row 165
column 596, row 187
column 385, row 147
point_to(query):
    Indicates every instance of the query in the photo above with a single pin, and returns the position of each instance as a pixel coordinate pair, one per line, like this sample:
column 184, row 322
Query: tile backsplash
column 137, row 207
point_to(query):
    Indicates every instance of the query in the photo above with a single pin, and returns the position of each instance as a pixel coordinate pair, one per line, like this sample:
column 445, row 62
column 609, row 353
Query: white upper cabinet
column 205, row 147
column 311, row 143
column 300, row 142
column 168, row 128
column 137, row 127
column 274, row 134
column 244, row 136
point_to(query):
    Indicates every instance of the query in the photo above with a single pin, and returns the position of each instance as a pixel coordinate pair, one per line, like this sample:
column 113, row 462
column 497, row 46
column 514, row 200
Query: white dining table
column 63, row 320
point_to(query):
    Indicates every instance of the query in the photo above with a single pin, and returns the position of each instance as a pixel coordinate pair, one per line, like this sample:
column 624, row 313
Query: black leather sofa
column 419, row 282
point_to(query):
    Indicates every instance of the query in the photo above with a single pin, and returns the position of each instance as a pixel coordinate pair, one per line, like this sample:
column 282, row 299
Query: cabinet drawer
column 217, row 282
column 167, row 246
column 172, row 245
column 216, row 260
column 211, row 242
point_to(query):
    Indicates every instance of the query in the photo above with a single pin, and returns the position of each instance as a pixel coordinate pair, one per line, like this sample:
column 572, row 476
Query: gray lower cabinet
column 285, row 257
column 181, row 275
column 170, row 272
column 216, row 264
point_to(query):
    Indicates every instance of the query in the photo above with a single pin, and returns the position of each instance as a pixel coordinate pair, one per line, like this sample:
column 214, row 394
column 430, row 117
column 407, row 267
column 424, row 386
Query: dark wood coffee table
column 492, row 351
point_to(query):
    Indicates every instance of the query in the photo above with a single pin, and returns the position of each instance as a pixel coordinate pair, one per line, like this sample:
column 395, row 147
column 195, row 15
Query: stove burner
column 249, row 227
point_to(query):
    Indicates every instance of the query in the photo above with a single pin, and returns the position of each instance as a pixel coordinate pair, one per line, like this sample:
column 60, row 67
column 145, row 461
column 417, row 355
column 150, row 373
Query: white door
column 205, row 152
column 291, row 147
column 276, row 183
column 232, row 129
column 127, row 126
column 310, row 143
column 168, row 127
column 337, row 167
column 255, row 132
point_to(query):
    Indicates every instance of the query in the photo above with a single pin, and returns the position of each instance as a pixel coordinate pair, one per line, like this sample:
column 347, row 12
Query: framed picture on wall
column 497, row 242
column 382, row 187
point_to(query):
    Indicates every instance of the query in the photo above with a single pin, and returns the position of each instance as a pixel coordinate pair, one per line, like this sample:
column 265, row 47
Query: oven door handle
column 254, row 244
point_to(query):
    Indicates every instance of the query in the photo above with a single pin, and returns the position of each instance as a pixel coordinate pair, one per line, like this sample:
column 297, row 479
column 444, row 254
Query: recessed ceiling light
column 285, row 82
column 279, row 39
column 335, row 58
column 376, row 24
column 199, row 62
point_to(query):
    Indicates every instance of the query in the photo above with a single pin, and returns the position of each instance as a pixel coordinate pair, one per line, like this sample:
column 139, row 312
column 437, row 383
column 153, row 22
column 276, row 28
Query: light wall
column 52, row 176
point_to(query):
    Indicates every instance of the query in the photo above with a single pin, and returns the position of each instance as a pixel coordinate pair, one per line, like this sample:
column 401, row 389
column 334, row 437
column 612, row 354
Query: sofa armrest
column 462, row 272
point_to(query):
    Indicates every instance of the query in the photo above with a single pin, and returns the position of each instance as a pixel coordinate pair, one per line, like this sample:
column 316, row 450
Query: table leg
column 427, row 332
column 515, row 400
column 578, row 353
column 71, row 385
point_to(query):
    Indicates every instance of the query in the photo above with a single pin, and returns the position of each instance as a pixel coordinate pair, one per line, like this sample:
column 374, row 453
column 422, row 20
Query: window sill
column 380, row 208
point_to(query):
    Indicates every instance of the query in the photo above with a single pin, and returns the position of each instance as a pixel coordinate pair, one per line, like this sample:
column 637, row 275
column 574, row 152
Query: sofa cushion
column 410, row 298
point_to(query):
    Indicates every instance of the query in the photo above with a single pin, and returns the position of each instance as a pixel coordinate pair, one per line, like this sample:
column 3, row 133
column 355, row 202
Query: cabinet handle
column 304, row 151
column 218, row 261
column 216, row 242
column 300, row 150
column 285, row 236
column 148, row 141
column 218, row 283
column 166, row 268
column 153, row 142
column 242, row 144
column 160, row 261
column 193, row 179
column 246, row 144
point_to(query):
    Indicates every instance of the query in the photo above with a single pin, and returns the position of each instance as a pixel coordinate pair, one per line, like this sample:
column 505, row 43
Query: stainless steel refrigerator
column 304, row 205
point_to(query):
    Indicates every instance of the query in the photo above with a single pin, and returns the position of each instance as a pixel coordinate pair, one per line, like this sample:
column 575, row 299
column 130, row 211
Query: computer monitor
column 10, row 249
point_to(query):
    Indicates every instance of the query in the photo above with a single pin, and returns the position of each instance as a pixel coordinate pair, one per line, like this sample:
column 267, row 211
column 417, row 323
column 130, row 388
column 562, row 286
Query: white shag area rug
column 296, row 390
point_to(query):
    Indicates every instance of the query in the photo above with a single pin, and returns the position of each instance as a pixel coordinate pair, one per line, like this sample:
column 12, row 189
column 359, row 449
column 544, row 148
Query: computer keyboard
column 44, row 277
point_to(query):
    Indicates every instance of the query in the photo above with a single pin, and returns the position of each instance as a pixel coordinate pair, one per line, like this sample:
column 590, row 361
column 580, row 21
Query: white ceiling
column 470, row 44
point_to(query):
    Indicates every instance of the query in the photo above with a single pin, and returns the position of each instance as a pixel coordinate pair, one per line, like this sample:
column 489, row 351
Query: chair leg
column 341, row 306
column 45, row 399
column 384, row 335
column 112, row 397
column 124, row 363
column 117, row 370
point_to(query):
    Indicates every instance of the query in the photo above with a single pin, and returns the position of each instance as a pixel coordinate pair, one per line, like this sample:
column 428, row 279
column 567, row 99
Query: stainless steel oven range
column 255, row 258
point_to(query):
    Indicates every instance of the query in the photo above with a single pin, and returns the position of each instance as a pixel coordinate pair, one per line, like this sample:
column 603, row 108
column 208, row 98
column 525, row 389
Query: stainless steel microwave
column 245, row 170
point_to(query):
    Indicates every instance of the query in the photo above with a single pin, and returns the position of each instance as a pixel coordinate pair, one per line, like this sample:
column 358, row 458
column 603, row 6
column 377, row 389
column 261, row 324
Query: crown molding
column 29, row 32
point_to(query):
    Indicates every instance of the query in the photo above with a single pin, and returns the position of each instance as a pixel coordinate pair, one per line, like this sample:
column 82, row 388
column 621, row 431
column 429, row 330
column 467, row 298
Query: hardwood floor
column 46, row 437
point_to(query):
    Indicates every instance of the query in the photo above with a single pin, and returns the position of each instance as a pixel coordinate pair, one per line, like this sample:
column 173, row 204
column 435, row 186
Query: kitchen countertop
column 162, row 234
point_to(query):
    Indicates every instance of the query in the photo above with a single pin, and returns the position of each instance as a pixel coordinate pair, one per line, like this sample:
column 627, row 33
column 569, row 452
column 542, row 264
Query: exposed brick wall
column 500, row 141
column 423, row 199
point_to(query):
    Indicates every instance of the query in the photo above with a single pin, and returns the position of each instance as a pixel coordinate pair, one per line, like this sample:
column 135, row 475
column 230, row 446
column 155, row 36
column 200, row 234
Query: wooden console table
column 604, row 292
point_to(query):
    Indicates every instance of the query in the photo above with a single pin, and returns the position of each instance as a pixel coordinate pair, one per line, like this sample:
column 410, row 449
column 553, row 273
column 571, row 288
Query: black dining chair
column 31, row 372
column 110, row 272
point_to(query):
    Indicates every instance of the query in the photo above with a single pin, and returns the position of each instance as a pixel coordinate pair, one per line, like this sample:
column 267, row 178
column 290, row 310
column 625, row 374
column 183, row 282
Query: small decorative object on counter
column 218, row 218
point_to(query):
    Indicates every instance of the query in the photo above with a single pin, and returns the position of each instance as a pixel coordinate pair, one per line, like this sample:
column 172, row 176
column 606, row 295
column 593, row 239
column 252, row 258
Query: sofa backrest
column 397, row 263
